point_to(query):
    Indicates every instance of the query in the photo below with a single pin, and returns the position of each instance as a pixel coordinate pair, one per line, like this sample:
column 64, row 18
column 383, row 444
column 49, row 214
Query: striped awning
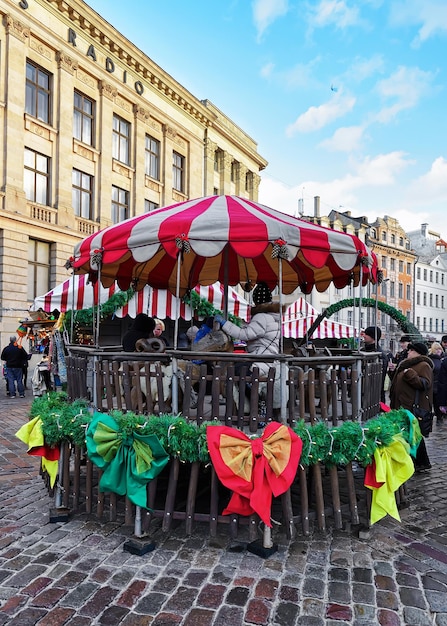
column 77, row 293
column 300, row 316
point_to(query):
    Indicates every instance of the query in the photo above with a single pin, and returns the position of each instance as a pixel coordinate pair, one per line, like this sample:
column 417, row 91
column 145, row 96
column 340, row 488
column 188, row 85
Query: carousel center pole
column 176, row 325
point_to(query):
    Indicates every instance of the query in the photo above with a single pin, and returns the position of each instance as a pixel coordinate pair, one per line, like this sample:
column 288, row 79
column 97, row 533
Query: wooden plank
column 170, row 495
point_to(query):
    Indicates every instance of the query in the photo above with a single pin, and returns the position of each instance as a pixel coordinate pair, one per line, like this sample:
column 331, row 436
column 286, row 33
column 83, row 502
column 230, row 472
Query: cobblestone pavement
column 77, row 573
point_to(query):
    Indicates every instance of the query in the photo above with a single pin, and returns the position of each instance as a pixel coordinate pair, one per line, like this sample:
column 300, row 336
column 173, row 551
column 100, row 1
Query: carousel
column 150, row 455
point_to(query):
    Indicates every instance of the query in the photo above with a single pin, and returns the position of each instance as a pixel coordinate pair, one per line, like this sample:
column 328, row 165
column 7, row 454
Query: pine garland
column 351, row 441
column 204, row 307
column 404, row 324
column 85, row 317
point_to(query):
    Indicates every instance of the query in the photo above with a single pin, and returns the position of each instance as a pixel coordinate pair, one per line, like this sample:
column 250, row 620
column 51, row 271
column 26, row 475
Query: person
column 436, row 354
column 14, row 356
column 41, row 379
column 262, row 333
column 371, row 337
column 142, row 328
column 412, row 374
column 444, row 344
column 400, row 356
column 159, row 330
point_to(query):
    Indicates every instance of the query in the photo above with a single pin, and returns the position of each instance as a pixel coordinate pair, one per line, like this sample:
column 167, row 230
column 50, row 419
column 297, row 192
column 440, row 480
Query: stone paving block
column 211, row 596
column 258, row 612
column 165, row 584
column 71, row 579
column 113, row 615
column 49, row 597
column 29, row 616
column 182, row 600
column 387, row 600
column 151, row 603
column 199, row 617
column 132, row 619
column 99, row 601
column 385, row 582
column 388, row 618
column 57, row 617
column 310, row 620
column 290, row 594
column 195, row 578
column 285, row 614
column 437, row 601
column 37, row 585
column 412, row 597
column 266, row 588
column 339, row 592
column 79, row 595
column 167, row 619
column 132, row 593
column 339, row 612
column 238, row 596
column 229, row 615
column 313, row 588
column 363, row 594
column 417, row 617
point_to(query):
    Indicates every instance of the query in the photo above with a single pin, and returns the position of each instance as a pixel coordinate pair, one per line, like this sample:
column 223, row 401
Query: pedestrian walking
column 15, row 358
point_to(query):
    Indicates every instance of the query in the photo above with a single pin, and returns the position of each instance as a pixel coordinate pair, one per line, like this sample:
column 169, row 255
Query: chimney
column 424, row 229
column 316, row 206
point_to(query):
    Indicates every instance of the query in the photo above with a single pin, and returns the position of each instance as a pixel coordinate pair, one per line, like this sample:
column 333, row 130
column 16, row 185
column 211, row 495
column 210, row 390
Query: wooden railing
column 329, row 388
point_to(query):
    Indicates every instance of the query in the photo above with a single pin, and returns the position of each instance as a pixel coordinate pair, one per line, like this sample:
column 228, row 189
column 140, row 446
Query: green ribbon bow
column 129, row 462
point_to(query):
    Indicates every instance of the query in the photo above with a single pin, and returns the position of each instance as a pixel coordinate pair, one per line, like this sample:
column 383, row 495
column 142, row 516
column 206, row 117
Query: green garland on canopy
column 404, row 324
column 204, row 308
column 338, row 445
column 85, row 317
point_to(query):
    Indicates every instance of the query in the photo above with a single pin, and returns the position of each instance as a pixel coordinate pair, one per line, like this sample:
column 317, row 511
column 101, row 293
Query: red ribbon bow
column 254, row 469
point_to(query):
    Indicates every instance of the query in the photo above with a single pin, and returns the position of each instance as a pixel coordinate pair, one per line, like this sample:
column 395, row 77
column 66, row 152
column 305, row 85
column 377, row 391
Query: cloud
column 406, row 86
column 267, row 70
column 265, row 12
column 318, row 117
column 430, row 15
column 334, row 13
column 362, row 68
column 345, row 139
column 431, row 186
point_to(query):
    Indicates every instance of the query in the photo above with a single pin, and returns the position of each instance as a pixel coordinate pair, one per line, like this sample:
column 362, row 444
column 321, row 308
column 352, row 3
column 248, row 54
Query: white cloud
column 406, row 86
column 346, row 139
column 364, row 68
column 267, row 70
column 381, row 169
column 334, row 13
column 318, row 117
column 265, row 12
column 431, row 186
column 429, row 15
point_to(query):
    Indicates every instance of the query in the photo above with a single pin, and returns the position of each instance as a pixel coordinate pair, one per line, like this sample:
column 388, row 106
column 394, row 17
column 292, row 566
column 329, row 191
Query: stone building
column 93, row 132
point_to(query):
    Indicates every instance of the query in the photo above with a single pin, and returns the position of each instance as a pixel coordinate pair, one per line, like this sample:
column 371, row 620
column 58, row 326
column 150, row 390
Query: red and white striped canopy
column 78, row 293
column 223, row 238
column 300, row 316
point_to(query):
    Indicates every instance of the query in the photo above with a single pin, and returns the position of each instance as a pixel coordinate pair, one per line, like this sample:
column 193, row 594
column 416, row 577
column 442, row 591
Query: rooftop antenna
column 301, row 204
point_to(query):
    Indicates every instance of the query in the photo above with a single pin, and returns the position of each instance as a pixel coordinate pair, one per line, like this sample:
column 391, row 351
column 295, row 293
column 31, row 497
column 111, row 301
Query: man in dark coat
column 414, row 373
column 371, row 337
column 142, row 328
column 15, row 358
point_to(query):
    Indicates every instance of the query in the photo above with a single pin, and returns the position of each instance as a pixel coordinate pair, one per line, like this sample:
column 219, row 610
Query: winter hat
column 419, row 347
column 261, row 294
column 405, row 338
column 374, row 332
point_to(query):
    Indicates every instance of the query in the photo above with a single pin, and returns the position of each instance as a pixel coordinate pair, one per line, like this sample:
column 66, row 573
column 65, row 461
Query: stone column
column 225, row 171
column 141, row 116
column 208, row 176
column 104, row 183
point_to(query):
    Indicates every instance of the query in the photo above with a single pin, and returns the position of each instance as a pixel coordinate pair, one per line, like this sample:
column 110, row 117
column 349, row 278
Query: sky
column 347, row 100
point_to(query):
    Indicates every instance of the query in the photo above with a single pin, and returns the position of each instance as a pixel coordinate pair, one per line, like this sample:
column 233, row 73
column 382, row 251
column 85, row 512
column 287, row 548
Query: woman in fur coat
column 414, row 373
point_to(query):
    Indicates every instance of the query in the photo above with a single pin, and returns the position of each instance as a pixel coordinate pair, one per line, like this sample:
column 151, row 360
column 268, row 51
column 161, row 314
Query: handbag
column 424, row 416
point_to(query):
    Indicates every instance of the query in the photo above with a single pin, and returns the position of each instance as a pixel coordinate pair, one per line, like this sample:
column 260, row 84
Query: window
column 431, row 276
column 82, row 194
column 150, row 206
column 408, row 290
column 437, row 277
column 418, row 273
column 401, row 290
column 121, row 140
column 384, row 235
column 393, row 239
column 38, row 268
column 401, row 267
column 216, row 160
column 384, row 261
column 152, row 158
column 392, row 264
column 431, row 300
column 392, row 289
column 178, row 172
column 83, row 119
column 409, row 269
column 120, row 204
column 425, row 298
column 401, row 241
column 36, row 177
column 437, row 301
column 418, row 297
column 425, row 274
column 38, row 92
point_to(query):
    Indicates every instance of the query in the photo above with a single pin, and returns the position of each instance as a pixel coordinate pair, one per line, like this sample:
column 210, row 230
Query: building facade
column 94, row 132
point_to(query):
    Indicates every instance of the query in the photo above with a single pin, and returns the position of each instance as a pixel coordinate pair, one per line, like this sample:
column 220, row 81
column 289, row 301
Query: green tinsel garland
column 204, row 308
column 85, row 317
column 404, row 324
column 339, row 445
